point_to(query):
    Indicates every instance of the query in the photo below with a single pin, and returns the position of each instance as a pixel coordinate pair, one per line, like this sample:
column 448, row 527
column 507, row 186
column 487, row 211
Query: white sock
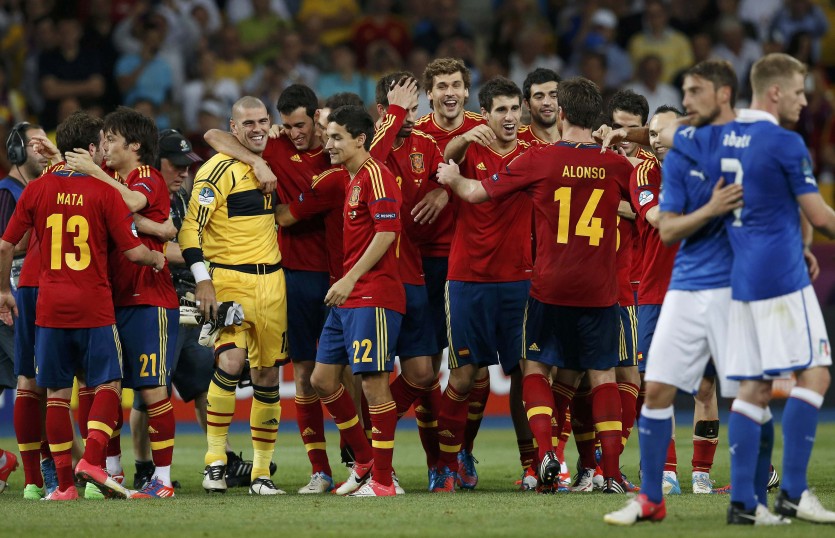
column 164, row 475
column 114, row 465
column 3, row 459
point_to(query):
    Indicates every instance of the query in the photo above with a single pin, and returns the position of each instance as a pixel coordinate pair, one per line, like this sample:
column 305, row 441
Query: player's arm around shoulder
column 456, row 149
column 467, row 189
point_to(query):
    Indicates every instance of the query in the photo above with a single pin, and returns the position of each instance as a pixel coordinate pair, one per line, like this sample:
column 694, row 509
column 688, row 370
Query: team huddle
column 601, row 276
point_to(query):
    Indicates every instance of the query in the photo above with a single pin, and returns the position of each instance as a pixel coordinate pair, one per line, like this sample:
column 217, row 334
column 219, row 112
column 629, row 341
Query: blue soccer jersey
column 773, row 166
column 704, row 259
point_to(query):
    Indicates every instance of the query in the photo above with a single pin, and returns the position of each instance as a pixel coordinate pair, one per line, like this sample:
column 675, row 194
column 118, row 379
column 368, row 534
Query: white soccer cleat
column 584, row 481
column 360, row 474
column 702, row 483
column 669, row 484
column 637, row 509
column 808, row 508
column 319, row 483
column 374, row 489
column 263, row 485
column 214, row 477
column 396, row 483
column 760, row 516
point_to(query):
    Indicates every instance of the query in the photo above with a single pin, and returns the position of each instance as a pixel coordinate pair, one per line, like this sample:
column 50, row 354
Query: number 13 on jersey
column 79, row 228
column 587, row 225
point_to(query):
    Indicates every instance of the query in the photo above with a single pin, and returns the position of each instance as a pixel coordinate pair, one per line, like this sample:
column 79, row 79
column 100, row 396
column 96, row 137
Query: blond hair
column 772, row 69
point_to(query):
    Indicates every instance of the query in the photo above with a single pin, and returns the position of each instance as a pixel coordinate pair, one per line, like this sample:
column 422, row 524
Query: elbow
column 211, row 135
column 6, row 248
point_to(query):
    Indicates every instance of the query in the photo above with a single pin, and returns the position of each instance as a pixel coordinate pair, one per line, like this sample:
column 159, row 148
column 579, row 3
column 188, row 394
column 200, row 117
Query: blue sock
column 764, row 462
column 654, row 431
column 800, row 420
column 744, row 442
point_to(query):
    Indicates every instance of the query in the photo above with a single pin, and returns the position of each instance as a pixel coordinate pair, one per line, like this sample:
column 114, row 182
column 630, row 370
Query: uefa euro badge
column 354, row 200
column 206, row 196
column 417, row 162
column 645, row 197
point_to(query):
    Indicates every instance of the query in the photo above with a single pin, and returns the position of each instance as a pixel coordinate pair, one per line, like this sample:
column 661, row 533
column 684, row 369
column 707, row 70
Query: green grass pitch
column 494, row 509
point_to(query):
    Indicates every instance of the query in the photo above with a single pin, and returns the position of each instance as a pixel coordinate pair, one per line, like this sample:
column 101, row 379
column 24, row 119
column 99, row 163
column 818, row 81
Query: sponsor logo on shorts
column 534, row 347
column 206, row 196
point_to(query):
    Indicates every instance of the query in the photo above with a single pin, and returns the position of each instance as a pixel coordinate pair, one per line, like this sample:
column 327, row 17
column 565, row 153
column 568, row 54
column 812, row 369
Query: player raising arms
column 74, row 218
column 572, row 314
column 369, row 302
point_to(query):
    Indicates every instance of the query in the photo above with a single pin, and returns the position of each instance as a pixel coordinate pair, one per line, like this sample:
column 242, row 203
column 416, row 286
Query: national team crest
column 355, row 196
column 417, row 162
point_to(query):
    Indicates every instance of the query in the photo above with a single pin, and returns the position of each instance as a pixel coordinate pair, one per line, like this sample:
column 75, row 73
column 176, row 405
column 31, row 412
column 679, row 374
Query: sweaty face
column 792, row 98
column 700, row 100
column 621, row 118
column 250, row 126
column 656, row 125
column 504, row 116
column 341, row 146
column 300, row 128
column 543, row 104
column 448, row 95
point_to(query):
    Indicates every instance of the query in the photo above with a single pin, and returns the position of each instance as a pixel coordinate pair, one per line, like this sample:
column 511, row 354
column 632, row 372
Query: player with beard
column 539, row 93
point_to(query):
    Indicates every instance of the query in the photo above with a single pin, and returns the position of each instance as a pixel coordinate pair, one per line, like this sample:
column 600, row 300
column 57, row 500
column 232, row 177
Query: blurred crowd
column 184, row 62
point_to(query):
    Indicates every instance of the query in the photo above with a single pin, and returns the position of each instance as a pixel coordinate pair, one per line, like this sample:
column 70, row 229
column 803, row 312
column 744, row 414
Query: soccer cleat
column 760, row 516
column 372, row 488
column 628, row 486
column 347, row 455
column 773, row 479
column 360, row 474
column 598, row 480
column 583, row 482
column 529, row 480
column 724, row 490
column 702, row 484
column 549, row 469
column 445, row 481
column 144, row 473
column 564, row 479
column 70, row 494
column 432, row 475
column 154, row 489
column 263, row 485
column 33, row 493
column 50, row 476
column 319, row 483
column 214, row 478
column 238, row 471
column 808, row 507
column 7, row 468
column 92, row 492
column 397, row 489
column 468, row 479
column 637, row 509
column 93, row 473
column 610, row 485
column 669, row 484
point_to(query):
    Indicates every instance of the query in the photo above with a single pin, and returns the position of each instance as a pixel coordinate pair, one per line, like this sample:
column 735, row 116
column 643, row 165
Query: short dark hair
column 496, row 87
column 355, row 120
column 631, row 102
column 580, row 100
column 445, row 66
column 297, row 96
column 386, row 82
column 343, row 98
column 668, row 108
column 719, row 72
column 135, row 128
column 79, row 130
column 540, row 75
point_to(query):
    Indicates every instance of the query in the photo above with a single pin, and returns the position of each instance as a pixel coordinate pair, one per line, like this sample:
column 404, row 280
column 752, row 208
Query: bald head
column 250, row 123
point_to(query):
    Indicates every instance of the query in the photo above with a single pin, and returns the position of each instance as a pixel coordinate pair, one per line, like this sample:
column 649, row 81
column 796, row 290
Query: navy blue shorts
column 417, row 332
column 62, row 353
column 306, row 311
column 647, row 320
column 363, row 337
column 194, row 365
column 149, row 338
column 576, row 338
column 628, row 336
column 485, row 323
column 24, row 332
column 434, row 273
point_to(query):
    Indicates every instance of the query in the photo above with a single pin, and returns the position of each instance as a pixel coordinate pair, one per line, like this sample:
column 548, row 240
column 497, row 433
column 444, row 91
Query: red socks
column 539, row 405
column 451, row 423
column 607, row 422
column 161, row 432
column 383, row 423
column 341, row 407
column 27, row 427
column 59, row 432
column 312, row 429
column 478, row 401
column 427, row 414
column 628, row 403
column 105, row 414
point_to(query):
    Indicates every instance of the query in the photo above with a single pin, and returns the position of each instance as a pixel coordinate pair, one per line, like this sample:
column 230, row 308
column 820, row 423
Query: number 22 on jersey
column 76, row 226
column 587, row 225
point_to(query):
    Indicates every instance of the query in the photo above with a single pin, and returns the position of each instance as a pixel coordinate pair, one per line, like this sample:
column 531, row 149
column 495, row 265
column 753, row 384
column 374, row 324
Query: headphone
column 16, row 144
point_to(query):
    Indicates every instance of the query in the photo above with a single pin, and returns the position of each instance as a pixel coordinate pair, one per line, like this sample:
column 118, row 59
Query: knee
column 420, row 373
column 265, row 377
column 323, row 385
column 659, row 395
column 461, row 381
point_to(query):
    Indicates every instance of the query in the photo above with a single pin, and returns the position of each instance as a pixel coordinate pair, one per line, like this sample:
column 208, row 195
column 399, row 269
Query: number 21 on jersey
column 76, row 226
column 587, row 225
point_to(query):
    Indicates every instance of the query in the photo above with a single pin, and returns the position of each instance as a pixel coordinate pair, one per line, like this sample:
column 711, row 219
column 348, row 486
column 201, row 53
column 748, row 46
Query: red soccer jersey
column 576, row 191
column 436, row 238
column 637, row 244
column 326, row 197
column 415, row 164
column 627, row 237
column 372, row 204
column 657, row 267
column 73, row 216
column 492, row 240
column 136, row 284
column 526, row 135
column 302, row 245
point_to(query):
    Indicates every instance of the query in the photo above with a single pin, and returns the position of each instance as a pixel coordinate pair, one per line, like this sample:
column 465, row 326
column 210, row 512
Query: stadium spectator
column 206, row 86
column 534, row 47
column 658, row 38
column 146, row 75
column 345, row 77
column 649, row 84
column 380, row 25
column 443, row 21
column 600, row 39
column 240, row 10
column 231, row 62
column 261, row 32
column 800, row 16
column 336, row 18
column 739, row 50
